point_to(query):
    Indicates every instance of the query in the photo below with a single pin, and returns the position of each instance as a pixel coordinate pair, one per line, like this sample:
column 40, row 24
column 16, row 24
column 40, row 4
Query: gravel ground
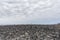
column 29, row 32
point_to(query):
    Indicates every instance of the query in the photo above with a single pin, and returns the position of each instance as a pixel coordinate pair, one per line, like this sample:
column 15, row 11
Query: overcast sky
column 29, row 11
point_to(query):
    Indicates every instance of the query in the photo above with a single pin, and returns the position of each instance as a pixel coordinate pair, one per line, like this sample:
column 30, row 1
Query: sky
column 29, row 12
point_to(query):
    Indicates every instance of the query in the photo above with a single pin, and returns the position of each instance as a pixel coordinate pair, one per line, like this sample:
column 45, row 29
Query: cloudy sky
column 29, row 11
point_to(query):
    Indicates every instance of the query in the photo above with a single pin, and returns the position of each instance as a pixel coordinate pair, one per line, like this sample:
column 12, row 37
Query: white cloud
column 12, row 11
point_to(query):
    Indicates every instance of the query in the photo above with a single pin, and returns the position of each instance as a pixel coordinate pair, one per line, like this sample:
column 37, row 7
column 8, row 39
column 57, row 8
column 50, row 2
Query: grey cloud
column 27, row 10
